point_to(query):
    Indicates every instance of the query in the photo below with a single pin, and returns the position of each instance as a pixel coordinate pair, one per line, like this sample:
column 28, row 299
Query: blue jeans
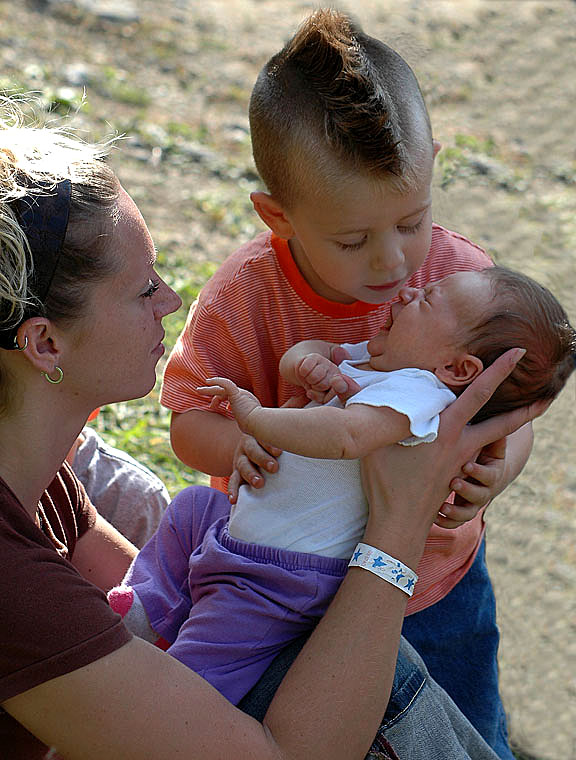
column 421, row 721
column 458, row 640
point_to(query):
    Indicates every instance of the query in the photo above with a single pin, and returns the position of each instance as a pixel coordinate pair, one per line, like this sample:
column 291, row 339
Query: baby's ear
column 461, row 372
column 272, row 214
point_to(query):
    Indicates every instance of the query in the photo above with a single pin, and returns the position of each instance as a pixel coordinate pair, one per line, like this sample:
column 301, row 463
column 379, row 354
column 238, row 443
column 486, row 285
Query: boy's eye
column 411, row 229
column 351, row 246
column 152, row 288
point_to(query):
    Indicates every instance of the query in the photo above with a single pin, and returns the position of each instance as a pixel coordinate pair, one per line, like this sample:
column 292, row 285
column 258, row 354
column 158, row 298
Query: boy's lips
column 386, row 286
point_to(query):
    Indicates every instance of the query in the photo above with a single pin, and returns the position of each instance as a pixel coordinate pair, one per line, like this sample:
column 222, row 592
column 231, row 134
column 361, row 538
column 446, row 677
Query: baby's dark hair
column 524, row 315
column 338, row 100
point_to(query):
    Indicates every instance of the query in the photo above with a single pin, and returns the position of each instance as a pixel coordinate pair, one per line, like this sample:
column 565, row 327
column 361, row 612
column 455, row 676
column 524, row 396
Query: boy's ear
column 461, row 372
column 272, row 214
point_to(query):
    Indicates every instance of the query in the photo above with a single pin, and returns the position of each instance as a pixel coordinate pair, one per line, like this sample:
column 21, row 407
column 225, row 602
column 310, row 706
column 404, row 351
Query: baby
column 266, row 575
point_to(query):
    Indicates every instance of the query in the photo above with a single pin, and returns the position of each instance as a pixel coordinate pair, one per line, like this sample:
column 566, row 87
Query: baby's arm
column 324, row 432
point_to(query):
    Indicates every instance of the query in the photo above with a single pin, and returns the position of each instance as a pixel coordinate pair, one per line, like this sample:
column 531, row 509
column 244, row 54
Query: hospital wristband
column 385, row 567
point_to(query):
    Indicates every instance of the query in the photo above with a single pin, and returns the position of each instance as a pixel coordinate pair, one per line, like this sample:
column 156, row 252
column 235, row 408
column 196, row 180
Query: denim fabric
column 421, row 721
column 462, row 655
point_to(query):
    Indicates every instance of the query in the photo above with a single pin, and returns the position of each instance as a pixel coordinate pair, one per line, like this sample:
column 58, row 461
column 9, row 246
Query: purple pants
column 228, row 607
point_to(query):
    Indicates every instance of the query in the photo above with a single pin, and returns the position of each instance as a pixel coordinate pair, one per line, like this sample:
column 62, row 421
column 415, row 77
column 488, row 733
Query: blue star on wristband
column 386, row 567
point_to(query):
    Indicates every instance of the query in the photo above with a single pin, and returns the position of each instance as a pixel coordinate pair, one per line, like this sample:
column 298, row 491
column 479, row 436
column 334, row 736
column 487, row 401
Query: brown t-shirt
column 52, row 620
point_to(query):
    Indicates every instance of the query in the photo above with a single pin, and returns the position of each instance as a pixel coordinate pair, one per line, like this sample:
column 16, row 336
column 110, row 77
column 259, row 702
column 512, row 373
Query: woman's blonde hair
column 33, row 160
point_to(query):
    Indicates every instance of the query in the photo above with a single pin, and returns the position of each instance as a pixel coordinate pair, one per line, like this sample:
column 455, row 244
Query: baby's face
column 362, row 239
column 427, row 326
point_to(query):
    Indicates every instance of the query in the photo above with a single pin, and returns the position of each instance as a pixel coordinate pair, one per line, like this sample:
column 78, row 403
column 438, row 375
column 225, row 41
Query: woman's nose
column 170, row 302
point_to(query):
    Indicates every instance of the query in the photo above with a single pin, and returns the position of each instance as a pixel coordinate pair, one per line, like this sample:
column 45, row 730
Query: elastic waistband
column 284, row 558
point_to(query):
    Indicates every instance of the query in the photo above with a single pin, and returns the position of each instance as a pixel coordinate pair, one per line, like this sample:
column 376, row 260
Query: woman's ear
column 461, row 372
column 42, row 348
column 272, row 214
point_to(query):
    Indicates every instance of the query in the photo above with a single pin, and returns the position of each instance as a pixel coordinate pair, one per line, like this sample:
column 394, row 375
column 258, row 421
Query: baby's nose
column 407, row 295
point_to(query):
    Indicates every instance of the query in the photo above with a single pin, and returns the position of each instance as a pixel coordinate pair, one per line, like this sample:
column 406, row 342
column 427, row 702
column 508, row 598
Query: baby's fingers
column 314, row 373
column 212, row 390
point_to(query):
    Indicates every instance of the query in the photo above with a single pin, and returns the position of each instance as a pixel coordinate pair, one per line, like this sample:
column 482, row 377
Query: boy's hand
column 486, row 479
column 316, row 373
column 250, row 459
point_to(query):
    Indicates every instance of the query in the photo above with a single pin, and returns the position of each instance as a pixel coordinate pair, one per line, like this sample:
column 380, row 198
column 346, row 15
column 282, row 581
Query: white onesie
column 317, row 506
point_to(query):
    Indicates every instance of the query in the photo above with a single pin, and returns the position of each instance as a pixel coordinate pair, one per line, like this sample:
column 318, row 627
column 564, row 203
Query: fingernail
column 270, row 466
column 255, row 480
column 467, row 467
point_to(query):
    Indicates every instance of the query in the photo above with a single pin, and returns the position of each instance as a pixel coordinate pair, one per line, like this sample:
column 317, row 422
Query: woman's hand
column 414, row 483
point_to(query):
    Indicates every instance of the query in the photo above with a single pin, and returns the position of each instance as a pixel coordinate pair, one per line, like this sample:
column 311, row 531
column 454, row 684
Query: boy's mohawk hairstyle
column 360, row 118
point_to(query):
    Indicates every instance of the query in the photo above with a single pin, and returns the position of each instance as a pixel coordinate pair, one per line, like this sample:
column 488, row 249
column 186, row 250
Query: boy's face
column 428, row 327
column 362, row 240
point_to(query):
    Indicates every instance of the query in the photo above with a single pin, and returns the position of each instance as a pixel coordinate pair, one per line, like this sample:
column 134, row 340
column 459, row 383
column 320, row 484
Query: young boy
column 261, row 578
column 342, row 140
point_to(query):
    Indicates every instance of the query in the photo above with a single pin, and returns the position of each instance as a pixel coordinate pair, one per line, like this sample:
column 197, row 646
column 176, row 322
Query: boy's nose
column 388, row 256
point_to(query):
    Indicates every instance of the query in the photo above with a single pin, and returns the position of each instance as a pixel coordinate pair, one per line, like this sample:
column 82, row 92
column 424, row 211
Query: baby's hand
column 241, row 402
column 316, row 374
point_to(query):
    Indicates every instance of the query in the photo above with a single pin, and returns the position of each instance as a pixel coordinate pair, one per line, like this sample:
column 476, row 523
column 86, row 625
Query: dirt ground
column 499, row 78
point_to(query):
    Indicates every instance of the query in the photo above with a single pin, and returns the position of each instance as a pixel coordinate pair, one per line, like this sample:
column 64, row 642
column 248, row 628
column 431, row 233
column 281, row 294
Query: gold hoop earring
column 21, row 348
column 58, row 380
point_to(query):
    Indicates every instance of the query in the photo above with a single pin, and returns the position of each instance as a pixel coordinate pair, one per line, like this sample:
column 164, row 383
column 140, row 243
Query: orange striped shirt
column 256, row 306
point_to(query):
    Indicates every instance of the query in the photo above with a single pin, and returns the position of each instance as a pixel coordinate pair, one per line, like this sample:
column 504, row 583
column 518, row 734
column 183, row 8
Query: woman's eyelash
column 412, row 229
column 154, row 285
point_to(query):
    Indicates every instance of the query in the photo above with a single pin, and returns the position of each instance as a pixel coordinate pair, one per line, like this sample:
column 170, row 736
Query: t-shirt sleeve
column 356, row 351
column 72, row 489
column 52, row 620
column 205, row 348
column 419, row 398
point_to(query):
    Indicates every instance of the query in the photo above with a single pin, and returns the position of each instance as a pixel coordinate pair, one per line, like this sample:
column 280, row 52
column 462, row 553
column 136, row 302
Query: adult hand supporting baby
column 413, row 482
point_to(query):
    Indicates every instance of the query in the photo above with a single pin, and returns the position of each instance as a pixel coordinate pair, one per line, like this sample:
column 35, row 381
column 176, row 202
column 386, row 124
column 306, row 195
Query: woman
column 81, row 325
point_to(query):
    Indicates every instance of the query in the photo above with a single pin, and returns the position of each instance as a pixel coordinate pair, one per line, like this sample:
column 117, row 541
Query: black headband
column 43, row 218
